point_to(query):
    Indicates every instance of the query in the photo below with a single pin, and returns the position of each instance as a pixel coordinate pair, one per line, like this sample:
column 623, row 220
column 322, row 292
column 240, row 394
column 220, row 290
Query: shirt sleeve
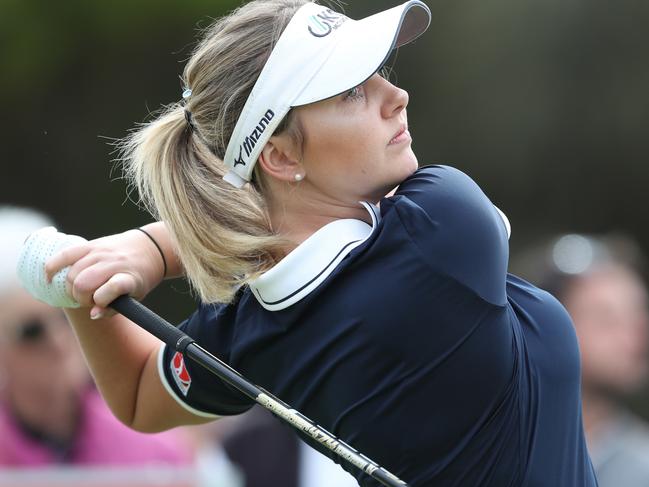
column 191, row 385
column 456, row 228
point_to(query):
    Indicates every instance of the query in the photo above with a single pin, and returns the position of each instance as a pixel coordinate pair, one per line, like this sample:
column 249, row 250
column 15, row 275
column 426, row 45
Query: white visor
column 320, row 54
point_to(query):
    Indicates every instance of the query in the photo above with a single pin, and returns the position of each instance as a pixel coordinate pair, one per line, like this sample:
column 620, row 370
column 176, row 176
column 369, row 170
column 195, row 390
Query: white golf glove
column 37, row 249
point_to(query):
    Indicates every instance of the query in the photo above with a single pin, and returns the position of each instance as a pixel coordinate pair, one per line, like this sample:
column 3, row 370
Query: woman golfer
column 389, row 320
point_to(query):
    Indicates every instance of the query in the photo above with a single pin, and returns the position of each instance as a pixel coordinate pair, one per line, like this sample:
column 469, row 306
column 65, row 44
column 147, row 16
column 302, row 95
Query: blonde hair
column 223, row 235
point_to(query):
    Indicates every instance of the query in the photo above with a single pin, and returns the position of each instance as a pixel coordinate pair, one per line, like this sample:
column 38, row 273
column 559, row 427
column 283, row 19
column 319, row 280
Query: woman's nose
column 396, row 101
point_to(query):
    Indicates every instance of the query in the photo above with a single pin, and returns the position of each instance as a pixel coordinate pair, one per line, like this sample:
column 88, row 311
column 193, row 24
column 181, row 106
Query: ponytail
column 222, row 234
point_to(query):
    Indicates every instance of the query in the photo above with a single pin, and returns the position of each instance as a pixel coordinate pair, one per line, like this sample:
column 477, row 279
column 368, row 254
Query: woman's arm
column 159, row 232
column 122, row 357
column 123, row 360
column 457, row 228
column 125, row 263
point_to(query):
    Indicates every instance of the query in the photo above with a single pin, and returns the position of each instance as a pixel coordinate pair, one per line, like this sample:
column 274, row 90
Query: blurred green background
column 543, row 102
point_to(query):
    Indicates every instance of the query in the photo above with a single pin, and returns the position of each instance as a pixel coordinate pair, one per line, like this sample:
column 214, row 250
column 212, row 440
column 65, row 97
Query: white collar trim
column 311, row 262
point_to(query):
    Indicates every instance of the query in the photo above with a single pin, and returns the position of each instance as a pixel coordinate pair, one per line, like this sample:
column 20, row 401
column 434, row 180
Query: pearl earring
column 299, row 177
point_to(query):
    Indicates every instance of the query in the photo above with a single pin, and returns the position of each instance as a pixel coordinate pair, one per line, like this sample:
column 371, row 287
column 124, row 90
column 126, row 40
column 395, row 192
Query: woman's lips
column 402, row 136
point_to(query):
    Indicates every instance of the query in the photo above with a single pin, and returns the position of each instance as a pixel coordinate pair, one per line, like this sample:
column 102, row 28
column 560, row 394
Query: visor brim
column 362, row 49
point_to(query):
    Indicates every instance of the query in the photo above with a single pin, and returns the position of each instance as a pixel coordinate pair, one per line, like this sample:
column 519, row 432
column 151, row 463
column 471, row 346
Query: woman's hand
column 108, row 267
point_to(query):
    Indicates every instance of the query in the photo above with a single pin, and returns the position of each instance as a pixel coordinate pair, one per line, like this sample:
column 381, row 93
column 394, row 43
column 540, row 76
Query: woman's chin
column 410, row 165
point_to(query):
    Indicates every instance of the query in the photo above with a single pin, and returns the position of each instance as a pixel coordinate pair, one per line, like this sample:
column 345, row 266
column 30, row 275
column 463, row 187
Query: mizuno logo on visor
column 251, row 140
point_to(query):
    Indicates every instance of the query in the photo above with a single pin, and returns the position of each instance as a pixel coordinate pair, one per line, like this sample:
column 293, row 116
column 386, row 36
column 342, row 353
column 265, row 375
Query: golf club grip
column 151, row 322
column 181, row 342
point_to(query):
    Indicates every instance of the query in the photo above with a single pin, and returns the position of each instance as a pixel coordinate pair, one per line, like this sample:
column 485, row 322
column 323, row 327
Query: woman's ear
column 279, row 159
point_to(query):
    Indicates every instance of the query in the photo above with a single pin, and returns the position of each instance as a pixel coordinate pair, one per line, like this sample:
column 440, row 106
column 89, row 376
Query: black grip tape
column 151, row 322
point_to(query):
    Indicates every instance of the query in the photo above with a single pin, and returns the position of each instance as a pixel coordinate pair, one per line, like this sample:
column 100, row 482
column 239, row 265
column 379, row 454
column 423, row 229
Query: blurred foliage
column 543, row 102
column 38, row 38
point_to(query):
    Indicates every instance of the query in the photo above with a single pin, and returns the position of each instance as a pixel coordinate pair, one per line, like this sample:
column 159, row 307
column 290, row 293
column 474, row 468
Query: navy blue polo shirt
column 409, row 340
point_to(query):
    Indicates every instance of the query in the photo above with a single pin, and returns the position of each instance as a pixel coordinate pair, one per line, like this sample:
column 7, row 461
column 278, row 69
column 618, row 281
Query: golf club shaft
column 181, row 342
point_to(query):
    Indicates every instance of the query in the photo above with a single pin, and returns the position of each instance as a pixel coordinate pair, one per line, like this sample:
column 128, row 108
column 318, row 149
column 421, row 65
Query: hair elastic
column 187, row 92
column 164, row 261
column 188, row 118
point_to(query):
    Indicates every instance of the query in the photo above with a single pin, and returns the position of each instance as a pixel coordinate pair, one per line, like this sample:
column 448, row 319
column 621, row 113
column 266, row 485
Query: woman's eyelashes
column 355, row 93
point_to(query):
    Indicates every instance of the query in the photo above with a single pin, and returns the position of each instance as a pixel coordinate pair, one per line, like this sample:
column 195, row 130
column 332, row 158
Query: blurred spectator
column 50, row 413
column 598, row 282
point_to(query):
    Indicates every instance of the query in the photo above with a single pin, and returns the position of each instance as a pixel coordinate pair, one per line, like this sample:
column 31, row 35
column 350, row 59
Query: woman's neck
column 298, row 220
